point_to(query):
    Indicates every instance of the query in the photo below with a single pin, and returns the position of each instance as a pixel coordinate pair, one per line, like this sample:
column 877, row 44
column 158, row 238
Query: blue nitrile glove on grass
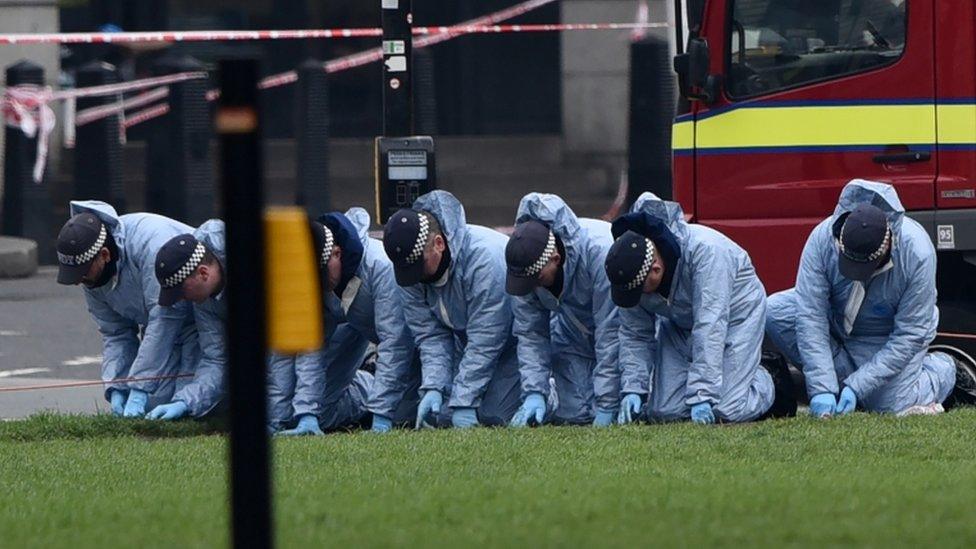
column 630, row 408
column 169, row 412
column 308, row 424
column 604, row 418
column 823, row 405
column 532, row 411
column 464, row 418
column 381, row 424
column 135, row 406
column 702, row 414
column 847, row 402
column 117, row 400
column 429, row 408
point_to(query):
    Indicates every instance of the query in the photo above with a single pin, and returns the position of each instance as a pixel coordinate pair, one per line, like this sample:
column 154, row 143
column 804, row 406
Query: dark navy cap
column 528, row 250
column 628, row 264
column 405, row 237
column 324, row 241
column 863, row 241
column 79, row 241
column 175, row 262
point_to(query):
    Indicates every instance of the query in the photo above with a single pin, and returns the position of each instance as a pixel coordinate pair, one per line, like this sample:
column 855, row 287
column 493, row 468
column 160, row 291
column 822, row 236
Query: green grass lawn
column 861, row 480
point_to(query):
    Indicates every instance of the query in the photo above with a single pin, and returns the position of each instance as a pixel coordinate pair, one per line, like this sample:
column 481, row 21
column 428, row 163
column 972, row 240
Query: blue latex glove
column 381, row 424
column 630, row 408
column 532, row 412
column 430, row 405
column 702, row 414
column 117, row 399
column 464, row 418
column 308, row 424
column 136, row 405
column 847, row 402
column 823, row 405
column 169, row 412
column 604, row 418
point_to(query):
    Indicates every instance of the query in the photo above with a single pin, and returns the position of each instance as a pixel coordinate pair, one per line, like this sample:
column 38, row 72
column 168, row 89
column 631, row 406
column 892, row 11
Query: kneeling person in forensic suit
column 452, row 275
column 691, row 321
column 362, row 304
column 565, row 321
column 193, row 267
column 863, row 313
column 112, row 256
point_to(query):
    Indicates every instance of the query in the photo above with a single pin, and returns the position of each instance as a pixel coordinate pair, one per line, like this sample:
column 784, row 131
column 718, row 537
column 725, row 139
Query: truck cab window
column 780, row 44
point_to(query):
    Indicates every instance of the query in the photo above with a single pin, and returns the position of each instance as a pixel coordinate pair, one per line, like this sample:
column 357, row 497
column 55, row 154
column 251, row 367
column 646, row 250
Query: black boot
column 784, row 403
column 964, row 392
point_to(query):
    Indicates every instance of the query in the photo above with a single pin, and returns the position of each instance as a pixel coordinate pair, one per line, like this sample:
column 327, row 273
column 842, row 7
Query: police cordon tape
column 371, row 32
column 27, row 106
column 95, row 383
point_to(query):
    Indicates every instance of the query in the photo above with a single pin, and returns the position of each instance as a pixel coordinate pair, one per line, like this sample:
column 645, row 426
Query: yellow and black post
column 240, row 169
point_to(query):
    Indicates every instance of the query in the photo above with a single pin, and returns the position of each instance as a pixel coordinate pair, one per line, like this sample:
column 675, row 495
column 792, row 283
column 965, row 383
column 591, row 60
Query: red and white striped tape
column 132, row 85
column 145, row 115
column 376, row 54
column 92, row 114
column 28, row 109
column 224, row 36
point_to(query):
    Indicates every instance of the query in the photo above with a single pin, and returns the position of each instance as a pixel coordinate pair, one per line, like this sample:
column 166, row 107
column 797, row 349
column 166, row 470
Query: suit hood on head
column 450, row 214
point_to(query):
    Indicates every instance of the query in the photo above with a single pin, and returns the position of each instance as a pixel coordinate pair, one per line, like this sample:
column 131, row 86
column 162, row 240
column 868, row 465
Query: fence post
column 312, row 138
column 98, row 145
column 26, row 209
column 179, row 167
column 652, row 104
column 424, row 92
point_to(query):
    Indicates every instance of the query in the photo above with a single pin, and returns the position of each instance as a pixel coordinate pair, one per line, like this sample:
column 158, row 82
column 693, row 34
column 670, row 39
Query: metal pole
column 397, row 68
column 312, row 137
column 240, row 162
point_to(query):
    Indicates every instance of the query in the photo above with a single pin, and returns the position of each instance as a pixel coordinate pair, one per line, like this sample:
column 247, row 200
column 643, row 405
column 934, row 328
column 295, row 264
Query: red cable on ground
column 72, row 384
column 956, row 336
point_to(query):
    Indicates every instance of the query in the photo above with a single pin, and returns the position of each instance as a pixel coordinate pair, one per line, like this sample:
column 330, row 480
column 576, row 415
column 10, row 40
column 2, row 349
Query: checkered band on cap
column 874, row 256
column 187, row 269
column 645, row 266
column 422, row 235
column 327, row 246
column 88, row 255
column 547, row 254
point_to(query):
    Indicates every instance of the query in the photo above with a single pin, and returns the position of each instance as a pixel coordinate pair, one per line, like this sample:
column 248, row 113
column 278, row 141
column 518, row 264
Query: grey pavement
column 47, row 337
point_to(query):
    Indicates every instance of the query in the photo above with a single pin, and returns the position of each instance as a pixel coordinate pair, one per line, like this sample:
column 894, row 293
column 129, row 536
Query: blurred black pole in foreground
column 240, row 163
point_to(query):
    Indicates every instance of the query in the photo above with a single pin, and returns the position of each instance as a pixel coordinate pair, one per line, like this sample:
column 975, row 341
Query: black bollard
column 179, row 167
column 26, row 210
column 652, row 104
column 241, row 180
column 424, row 92
column 312, row 138
column 98, row 146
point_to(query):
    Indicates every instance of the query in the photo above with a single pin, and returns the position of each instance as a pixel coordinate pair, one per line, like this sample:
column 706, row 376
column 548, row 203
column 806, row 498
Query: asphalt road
column 47, row 337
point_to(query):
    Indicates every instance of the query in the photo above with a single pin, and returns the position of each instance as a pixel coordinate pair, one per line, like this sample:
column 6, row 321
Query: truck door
column 813, row 94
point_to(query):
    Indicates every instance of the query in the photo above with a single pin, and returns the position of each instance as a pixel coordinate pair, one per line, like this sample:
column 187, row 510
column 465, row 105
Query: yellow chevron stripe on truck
column 769, row 127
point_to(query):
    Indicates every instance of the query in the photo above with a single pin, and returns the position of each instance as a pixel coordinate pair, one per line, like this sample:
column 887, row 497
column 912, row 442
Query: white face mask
column 856, row 299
